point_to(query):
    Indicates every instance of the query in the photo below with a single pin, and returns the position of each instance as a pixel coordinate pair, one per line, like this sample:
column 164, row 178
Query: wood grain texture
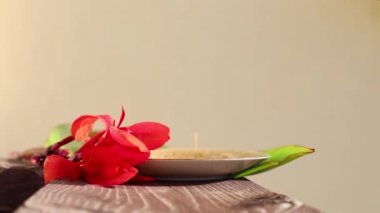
column 220, row 196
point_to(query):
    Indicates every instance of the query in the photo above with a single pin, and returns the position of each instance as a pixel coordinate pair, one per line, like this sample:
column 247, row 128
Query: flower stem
column 56, row 146
column 53, row 150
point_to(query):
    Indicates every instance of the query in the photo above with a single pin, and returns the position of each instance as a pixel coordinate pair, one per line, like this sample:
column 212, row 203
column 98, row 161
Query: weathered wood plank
column 220, row 196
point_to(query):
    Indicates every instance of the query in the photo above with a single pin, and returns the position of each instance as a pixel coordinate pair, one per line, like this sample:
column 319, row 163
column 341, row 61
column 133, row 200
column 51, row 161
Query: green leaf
column 58, row 133
column 278, row 156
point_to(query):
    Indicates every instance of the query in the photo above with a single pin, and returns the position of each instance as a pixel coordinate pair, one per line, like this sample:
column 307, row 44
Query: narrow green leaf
column 278, row 156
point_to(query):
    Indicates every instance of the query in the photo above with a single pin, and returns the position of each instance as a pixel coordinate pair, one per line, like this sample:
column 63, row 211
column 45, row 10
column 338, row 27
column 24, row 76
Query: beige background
column 244, row 74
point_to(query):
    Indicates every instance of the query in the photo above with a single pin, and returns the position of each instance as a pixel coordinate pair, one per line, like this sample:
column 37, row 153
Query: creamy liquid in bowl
column 202, row 154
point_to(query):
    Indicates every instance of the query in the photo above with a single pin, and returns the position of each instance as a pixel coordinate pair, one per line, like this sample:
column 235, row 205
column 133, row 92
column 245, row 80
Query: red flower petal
column 126, row 139
column 112, row 175
column 57, row 167
column 152, row 134
column 106, row 166
column 121, row 117
column 132, row 156
column 82, row 126
column 117, row 152
column 96, row 139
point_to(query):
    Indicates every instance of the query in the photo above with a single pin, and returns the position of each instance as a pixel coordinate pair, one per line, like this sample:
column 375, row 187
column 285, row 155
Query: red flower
column 108, row 157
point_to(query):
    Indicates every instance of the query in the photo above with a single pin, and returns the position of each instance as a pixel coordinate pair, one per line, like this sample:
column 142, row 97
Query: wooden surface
column 220, row 196
column 18, row 181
